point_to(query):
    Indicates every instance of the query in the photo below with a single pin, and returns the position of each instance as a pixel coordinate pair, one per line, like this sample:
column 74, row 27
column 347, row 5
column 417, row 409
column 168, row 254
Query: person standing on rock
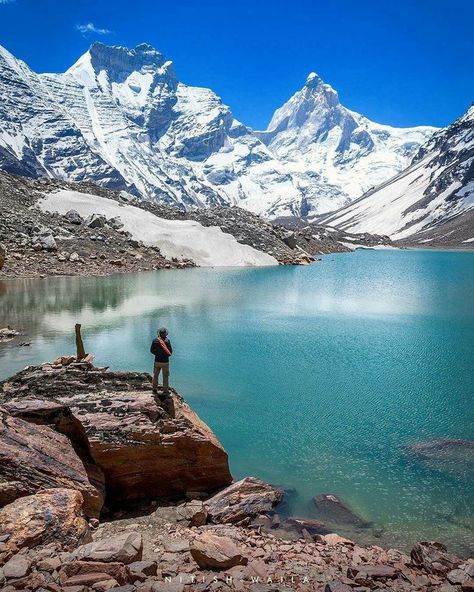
column 162, row 350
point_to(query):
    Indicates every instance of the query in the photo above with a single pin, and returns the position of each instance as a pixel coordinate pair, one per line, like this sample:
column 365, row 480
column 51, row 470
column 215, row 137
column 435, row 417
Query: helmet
column 163, row 332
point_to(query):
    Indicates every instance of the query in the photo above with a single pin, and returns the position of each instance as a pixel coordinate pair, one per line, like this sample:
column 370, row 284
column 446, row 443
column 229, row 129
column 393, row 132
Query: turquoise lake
column 314, row 378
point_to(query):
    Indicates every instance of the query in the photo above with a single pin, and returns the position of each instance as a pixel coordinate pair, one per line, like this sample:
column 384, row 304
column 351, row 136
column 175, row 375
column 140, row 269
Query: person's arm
column 153, row 348
column 168, row 343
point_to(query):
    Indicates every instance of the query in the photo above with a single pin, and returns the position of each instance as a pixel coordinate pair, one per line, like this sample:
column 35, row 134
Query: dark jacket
column 159, row 352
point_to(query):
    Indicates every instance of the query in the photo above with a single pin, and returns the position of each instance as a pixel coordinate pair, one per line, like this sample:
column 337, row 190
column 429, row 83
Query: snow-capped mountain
column 348, row 154
column 119, row 117
column 435, row 192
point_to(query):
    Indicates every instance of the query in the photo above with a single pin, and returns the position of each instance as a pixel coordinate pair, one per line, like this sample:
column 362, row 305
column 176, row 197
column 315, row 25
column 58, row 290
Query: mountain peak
column 313, row 80
column 122, row 60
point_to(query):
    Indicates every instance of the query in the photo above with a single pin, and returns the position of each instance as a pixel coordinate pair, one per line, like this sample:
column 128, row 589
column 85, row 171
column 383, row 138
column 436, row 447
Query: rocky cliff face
column 430, row 202
column 103, row 434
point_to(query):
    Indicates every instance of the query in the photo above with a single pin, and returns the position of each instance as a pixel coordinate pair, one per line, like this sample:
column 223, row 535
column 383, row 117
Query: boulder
column 113, row 569
column 434, row 558
column 332, row 509
column 73, row 217
column 364, row 575
column 194, row 513
column 210, row 551
column 52, row 515
column 143, row 452
column 244, row 499
column 45, row 240
column 290, row 240
column 123, row 548
column 34, row 457
column 308, row 524
column 115, row 223
column 3, row 255
column 143, row 568
column 17, row 566
column 335, row 539
column 96, row 221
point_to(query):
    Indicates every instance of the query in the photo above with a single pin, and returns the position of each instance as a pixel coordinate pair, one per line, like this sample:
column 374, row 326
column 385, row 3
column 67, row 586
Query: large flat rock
column 113, row 418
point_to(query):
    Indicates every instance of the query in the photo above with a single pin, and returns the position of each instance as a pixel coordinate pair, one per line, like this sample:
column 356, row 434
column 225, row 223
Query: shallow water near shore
column 314, row 378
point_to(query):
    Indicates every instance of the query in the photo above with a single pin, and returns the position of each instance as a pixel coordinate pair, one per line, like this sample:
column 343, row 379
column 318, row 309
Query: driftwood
column 80, row 351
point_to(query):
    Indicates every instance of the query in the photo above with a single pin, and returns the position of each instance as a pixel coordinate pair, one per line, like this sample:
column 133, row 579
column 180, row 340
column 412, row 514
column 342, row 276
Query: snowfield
column 206, row 246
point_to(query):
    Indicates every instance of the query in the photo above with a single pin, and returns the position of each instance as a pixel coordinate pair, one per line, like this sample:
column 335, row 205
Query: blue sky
column 403, row 62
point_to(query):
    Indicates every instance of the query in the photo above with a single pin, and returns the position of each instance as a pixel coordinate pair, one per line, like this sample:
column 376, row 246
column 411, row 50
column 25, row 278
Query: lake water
column 314, row 378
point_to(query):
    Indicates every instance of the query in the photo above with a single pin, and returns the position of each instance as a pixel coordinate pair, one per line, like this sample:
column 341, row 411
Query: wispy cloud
column 87, row 28
column 7, row 1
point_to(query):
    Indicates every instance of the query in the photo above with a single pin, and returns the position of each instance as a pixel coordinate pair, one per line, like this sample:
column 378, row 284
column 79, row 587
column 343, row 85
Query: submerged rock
column 333, row 509
column 244, row 499
column 451, row 455
column 53, row 515
column 142, row 451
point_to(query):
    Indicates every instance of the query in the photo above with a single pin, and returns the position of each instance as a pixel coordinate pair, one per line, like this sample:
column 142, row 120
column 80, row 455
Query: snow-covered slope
column 437, row 187
column 345, row 152
column 120, row 117
column 207, row 246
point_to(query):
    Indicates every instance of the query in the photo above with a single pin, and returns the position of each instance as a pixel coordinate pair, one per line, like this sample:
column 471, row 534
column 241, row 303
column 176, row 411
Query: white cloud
column 87, row 27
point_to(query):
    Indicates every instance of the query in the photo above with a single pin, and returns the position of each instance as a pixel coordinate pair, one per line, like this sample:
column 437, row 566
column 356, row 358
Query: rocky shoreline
column 105, row 487
column 36, row 243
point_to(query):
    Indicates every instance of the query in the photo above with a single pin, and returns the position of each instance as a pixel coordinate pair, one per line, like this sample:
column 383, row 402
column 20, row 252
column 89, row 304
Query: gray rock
column 333, row 509
column 16, row 567
column 457, row 576
column 143, row 568
column 115, row 223
column 124, row 548
column 73, row 217
column 96, row 221
column 193, row 512
column 244, row 499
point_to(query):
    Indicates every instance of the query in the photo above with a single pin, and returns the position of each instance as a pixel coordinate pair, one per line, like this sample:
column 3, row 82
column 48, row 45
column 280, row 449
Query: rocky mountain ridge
column 120, row 118
column 431, row 202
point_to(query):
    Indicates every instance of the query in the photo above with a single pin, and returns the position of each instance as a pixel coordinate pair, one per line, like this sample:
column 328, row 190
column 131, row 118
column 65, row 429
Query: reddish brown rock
column 115, row 570
column 143, row 452
column 34, row 457
column 244, row 499
column 210, row 551
column 123, row 548
column 365, row 574
column 434, row 558
column 53, row 515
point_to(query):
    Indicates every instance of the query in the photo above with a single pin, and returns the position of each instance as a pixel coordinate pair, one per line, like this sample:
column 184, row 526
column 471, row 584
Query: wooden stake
column 80, row 351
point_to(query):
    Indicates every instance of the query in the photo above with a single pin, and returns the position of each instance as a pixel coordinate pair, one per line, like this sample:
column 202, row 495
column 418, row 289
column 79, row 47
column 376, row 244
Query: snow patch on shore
column 206, row 246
